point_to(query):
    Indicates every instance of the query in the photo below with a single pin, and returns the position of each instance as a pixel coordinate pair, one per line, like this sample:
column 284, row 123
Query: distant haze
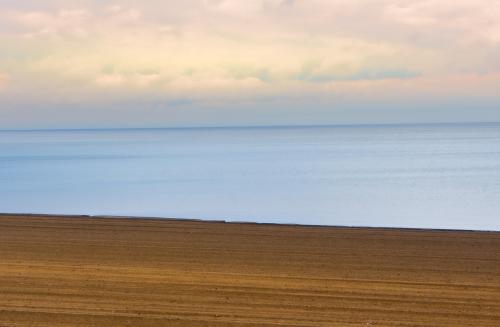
column 126, row 63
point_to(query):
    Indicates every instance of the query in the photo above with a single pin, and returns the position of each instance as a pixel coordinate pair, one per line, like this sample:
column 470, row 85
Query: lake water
column 437, row 176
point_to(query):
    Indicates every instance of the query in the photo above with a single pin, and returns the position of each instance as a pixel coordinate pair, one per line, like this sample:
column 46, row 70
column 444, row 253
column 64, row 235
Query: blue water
column 437, row 176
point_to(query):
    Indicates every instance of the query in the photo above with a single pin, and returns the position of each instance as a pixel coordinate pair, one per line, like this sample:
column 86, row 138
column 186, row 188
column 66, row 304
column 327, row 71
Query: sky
column 161, row 63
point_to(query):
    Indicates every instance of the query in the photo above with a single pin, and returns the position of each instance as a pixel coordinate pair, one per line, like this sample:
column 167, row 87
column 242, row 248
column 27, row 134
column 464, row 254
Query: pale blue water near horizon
column 424, row 176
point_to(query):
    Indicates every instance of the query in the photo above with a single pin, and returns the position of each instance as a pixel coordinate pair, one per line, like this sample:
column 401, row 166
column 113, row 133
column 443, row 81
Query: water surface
column 436, row 176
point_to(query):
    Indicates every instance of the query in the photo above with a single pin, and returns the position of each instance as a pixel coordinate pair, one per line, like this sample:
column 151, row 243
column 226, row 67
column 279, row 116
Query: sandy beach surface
column 90, row 271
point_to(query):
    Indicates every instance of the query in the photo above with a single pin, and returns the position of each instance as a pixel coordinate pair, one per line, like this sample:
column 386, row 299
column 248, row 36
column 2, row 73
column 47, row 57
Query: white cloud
column 131, row 80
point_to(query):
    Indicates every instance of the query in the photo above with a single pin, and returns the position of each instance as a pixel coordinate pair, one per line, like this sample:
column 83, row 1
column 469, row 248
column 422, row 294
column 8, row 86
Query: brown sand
column 81, row 271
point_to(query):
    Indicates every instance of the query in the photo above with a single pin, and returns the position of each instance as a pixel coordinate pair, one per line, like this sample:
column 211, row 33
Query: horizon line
column 246, row 126
column 238, row 222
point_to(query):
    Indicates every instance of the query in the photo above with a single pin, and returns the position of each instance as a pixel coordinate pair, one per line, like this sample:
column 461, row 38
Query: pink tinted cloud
column 467, row 20
column 4, row 80
column 40, row 23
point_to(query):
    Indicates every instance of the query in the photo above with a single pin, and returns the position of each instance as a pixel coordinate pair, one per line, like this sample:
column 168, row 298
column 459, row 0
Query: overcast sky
column 77, row 63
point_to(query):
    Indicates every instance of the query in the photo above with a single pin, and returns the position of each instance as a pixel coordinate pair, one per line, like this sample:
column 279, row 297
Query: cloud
column 164, row 57
column 469, row 21
column 4, row 79
column 60, row 23
column 140, row 80
column 123, row 14
column 230, row 51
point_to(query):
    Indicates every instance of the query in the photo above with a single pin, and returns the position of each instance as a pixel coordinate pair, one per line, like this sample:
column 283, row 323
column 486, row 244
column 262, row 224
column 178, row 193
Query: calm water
column 440, row 176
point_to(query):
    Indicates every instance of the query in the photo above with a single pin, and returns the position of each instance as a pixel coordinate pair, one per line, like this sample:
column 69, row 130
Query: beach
column 101, row 271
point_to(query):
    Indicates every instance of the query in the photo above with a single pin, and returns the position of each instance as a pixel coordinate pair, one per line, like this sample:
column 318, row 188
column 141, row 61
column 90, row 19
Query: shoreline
column 240, row 222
